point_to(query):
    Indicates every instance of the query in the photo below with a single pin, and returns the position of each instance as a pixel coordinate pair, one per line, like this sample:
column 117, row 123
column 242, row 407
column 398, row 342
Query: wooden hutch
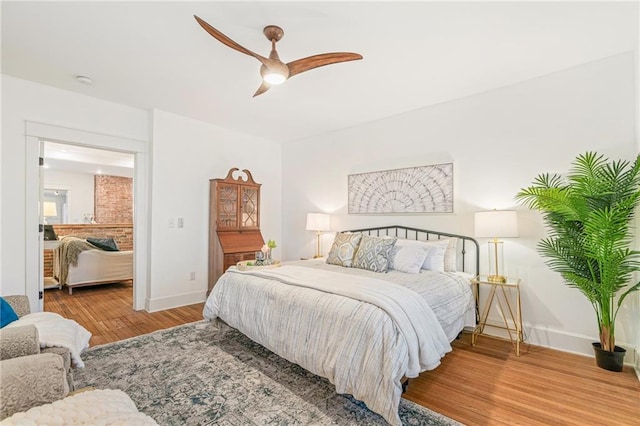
column 234, row 222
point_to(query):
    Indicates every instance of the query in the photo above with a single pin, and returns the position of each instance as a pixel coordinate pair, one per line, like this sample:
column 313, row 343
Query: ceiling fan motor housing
column 273, row 32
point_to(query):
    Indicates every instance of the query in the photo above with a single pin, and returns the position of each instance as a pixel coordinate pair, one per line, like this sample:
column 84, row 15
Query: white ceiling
column 416, row 54
column 79, row 159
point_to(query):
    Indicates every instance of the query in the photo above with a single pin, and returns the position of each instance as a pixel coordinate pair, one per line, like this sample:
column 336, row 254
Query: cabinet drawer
column 231, row 259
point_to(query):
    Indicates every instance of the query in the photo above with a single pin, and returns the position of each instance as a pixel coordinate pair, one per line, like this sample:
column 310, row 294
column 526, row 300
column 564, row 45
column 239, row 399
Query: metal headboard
column 467, row 246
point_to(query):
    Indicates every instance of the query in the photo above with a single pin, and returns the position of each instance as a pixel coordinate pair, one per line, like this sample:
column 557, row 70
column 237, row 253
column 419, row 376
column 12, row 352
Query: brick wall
column 113, row 199
column 122, row 233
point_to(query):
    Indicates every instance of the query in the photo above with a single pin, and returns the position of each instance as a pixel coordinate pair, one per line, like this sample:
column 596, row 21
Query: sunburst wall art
column 424, row 189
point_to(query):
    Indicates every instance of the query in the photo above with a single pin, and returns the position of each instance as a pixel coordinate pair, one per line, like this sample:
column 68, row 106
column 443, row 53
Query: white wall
column 81, row 187
column 23, row 100
column 186, row 154
column 498, row 141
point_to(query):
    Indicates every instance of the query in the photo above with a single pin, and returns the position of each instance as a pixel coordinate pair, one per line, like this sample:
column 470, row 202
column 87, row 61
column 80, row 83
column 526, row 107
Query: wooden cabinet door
column 250, row 207
column 228, row 207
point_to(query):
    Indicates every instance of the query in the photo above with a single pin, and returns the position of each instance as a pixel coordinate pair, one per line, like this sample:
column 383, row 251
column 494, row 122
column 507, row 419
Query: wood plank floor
column 106, row 311
column 485, row 384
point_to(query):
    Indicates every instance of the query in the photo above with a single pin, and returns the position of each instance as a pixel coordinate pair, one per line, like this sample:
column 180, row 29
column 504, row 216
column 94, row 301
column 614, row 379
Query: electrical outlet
column 171, row 223
column 180, row 221
column 192, row 276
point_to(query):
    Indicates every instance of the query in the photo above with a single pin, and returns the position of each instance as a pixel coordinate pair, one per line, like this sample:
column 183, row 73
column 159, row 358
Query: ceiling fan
column 273, row 70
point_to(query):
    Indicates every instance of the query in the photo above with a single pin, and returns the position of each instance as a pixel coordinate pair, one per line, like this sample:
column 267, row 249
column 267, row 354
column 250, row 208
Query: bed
column 77, row 263
column 392, row 326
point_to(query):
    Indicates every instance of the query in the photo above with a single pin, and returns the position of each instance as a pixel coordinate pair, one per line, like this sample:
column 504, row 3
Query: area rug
column 198, row 374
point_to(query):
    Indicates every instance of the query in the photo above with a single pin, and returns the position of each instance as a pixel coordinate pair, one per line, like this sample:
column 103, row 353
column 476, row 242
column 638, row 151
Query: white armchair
column 30, row 376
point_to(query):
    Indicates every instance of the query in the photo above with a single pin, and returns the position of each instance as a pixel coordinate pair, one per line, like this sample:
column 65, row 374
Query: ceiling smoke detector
column 84, row 80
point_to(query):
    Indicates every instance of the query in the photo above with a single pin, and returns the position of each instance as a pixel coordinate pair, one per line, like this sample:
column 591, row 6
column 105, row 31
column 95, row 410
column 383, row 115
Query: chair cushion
column 19, row 303
column 32, row 380
column 7, row 314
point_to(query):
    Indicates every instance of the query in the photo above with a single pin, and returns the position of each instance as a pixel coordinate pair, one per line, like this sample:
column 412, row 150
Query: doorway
column 35, row 134
column 86, row 200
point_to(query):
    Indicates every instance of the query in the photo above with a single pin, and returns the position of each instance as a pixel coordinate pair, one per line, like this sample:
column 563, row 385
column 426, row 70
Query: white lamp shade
column 49, row 209
column 318, row 222
column 496, row 223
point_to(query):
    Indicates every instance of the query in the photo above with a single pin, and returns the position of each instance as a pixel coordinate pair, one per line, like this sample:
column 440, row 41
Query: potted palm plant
column 589, row 216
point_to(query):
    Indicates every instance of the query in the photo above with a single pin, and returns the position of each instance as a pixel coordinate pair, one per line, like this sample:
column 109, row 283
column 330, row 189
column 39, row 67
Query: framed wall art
column 424, row 189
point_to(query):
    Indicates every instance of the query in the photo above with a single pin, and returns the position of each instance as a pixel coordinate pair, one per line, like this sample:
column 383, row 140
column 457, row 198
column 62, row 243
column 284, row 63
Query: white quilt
column 55, row 330
column 364, row 348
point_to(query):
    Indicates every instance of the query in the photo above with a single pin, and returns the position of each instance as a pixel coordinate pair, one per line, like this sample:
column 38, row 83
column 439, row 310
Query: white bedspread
column 55, row 330
column 364, row 348
column 425, row 339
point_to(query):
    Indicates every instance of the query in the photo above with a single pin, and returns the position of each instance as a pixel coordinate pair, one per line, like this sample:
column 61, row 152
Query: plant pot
column 612, row 361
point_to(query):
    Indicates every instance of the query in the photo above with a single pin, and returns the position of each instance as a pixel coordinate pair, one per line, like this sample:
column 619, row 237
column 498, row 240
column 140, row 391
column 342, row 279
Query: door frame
column 36, row 132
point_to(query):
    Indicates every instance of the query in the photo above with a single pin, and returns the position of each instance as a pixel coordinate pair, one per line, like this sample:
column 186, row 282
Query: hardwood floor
column 484, row 384
column 487, row 384
column 106, row 311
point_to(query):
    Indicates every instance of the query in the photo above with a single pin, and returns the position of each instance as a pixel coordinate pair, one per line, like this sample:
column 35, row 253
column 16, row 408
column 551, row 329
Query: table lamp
column 49, row 209
column 496, row 224
column 318, row 222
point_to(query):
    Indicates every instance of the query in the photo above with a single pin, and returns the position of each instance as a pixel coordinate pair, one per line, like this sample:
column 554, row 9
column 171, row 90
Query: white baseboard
column 175, row 301
column 561, row 340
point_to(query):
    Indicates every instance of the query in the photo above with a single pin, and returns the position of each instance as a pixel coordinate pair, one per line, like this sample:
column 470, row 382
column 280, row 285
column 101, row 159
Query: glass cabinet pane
column 249, row 207
column 227, row 206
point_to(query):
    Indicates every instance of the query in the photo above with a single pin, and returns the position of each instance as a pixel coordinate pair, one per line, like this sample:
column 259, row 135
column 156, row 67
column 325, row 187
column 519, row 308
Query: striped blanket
column 361, row 333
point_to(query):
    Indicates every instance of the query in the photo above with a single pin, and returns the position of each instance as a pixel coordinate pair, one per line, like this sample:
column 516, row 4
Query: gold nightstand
column 499, row 295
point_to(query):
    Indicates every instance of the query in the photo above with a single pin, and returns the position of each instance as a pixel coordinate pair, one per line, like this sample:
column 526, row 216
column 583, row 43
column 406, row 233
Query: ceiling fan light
column 274, row 78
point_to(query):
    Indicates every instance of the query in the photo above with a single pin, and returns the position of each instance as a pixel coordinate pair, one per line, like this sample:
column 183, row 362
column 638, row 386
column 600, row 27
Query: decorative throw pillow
column 344, row 248
column 7, row 314
column 435, row 249
column 451, row 256
column 106, row 244
column 373, row 253
column 407, row 257
column 435, row 258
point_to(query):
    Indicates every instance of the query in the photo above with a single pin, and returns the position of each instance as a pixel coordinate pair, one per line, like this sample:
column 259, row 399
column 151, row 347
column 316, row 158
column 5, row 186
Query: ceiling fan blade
column 263, row 88
column 230, row 43
column 315, row 61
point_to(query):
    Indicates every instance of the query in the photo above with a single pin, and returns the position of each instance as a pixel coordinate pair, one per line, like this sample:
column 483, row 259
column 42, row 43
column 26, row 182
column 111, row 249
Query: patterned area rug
column 196, row 374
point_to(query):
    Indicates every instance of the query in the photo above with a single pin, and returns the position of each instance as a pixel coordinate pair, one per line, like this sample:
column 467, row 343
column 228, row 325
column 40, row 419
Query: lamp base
column 317, row 256
column 497, row 279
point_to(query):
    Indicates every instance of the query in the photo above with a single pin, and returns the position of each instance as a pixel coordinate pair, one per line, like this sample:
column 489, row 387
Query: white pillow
column 435, row 252
column 408, row 257
column 435, row 258
column 451, row 256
